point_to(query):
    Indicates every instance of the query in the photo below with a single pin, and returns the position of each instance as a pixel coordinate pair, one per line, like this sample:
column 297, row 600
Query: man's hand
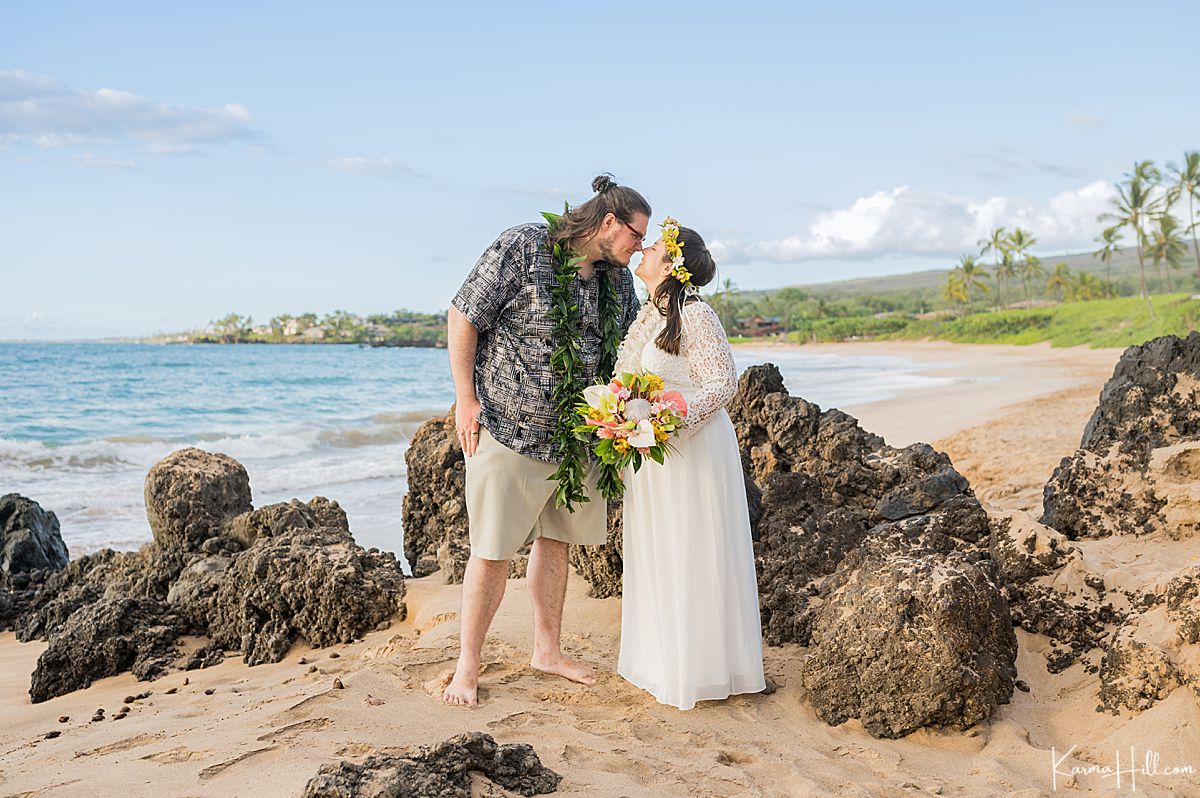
column 466, row 423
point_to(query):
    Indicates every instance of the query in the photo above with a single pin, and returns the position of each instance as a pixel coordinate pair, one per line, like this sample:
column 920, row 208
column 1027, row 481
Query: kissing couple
column 547, row 310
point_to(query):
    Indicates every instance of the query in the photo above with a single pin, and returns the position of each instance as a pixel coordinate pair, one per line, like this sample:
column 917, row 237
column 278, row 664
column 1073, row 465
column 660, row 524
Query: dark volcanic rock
column 191, row 493
column 440, row 771
column 252, row 580
column 1138, row 462
column 601, row 565
column 911, row 634
column 827, row 483
column 30, row 543
column 435, row 510
column 191, row 596
column 145, row 573
column 105, row 638
column 314, row 583
column 278, row 519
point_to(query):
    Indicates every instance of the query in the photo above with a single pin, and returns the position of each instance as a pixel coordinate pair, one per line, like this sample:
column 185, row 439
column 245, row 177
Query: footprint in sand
column 734, row 758
column 293, row 730
column 120, row 745
column 175, row 755
column 518, row 720
column 219, row 768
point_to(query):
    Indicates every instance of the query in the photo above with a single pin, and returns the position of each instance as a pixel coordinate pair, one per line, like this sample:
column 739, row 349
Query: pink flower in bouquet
column 674, row 399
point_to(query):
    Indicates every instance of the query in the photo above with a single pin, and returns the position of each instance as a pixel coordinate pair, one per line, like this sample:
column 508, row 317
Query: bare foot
column 565, row 668
column 463, row 688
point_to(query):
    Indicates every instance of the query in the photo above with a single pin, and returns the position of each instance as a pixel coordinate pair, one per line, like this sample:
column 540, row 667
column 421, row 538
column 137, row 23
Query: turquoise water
column 82, row 423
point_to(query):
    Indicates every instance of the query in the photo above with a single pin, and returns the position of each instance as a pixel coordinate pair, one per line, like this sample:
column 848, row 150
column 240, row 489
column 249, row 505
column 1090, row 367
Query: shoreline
column 986, row 380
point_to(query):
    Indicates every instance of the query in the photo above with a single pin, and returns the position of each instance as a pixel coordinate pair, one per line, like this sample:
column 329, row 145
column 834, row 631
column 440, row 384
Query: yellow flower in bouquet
column 626, row 420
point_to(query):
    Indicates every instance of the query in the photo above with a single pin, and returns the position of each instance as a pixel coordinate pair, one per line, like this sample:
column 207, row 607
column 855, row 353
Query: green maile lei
column 566, row 363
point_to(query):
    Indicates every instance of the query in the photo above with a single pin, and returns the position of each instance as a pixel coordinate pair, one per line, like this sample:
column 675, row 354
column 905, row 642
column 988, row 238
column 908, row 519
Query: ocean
column 82, row 423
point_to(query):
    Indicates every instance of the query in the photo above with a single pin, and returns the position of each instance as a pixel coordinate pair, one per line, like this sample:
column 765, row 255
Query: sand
column 266, row 730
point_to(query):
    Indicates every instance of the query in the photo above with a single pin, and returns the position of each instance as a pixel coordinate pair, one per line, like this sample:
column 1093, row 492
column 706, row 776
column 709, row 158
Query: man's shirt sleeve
column 493, row 282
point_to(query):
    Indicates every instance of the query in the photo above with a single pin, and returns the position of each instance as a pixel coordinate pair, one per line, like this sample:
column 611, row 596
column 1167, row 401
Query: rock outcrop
column 311, row 583
column 601, row 565
column 191, row 493
column 252, row 580
column 905, row 610
column 31, row 546
column 435, row 509
column 441, row 770
column 105, row 638
column 827, row 484
column 1137, row 469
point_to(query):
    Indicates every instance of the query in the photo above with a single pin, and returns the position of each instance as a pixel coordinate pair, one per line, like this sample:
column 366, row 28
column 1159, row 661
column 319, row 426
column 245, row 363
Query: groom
column 500, row 343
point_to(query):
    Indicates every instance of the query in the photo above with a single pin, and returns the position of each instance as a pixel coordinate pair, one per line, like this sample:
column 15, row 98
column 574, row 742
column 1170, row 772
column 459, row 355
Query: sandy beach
column 1006, row 419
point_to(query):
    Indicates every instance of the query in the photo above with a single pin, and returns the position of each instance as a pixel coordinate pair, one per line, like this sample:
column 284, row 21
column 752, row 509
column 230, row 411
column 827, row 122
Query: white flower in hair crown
column 670, row 236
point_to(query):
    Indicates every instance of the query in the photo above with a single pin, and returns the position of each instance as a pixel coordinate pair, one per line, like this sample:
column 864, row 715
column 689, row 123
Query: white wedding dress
column 689, row 616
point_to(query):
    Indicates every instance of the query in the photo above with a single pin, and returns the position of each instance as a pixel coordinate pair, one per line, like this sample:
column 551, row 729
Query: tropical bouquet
column 626, row 420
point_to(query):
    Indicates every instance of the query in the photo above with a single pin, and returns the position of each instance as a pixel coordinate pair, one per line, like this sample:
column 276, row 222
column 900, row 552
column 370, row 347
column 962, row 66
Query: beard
column 606, row 252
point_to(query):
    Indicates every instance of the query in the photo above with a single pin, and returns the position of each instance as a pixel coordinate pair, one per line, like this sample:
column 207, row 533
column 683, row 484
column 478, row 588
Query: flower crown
column 670, row 236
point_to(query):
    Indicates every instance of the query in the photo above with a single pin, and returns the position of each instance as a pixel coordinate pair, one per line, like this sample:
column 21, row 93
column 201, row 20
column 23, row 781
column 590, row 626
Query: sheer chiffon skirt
column 689, row 614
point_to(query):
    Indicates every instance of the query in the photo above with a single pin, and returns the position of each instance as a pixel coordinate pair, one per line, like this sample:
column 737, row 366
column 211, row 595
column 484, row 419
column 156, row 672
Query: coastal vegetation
column 1136, row 285
column 399, row 328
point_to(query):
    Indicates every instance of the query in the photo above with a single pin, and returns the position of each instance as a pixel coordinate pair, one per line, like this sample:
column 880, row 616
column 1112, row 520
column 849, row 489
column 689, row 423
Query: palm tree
column 723, row 300
column 1019, row 242
column 1134, row 205
column 955, row 290
column 1006, row 271
column 997, row 244
column 1031, row 270
column 1088, row 286
column 973, row 275
column 1111, row 240
column 1166, row 246
column 1060, row 285
column 1187, row 183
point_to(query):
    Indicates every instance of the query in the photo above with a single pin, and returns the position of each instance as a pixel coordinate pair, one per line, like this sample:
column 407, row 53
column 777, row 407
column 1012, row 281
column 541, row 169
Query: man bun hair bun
column 603, row 183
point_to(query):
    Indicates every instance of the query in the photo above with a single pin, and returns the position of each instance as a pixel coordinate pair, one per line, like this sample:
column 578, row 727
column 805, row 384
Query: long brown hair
column 669, row 296
column 582, row 221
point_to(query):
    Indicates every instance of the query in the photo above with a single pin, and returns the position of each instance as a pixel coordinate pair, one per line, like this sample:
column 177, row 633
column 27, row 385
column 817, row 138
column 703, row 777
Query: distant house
column 314, row 333
column 759, row 326
column 262, row 329
column 293, row 327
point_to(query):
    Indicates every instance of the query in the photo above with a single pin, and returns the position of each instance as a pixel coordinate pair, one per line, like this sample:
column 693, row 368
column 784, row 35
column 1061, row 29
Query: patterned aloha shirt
column 507, row 297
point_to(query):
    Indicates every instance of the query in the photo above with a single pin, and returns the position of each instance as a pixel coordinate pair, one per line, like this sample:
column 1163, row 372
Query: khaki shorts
column 510, row 503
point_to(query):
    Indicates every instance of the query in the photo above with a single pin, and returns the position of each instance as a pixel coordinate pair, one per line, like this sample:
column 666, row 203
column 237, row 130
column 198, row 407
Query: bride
column 689, row 617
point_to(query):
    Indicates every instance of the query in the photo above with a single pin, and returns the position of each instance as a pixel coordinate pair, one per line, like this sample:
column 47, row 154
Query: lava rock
column 315, row 584
column 1136, row 468
column 441, row 770
column 910, row 635
column 190, row 495
column 105, row 638
column 435, row 508
column 30, row 542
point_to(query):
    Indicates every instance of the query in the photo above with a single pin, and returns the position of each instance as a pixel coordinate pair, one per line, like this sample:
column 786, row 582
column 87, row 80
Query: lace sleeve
column 710, row 362
column 629, row 353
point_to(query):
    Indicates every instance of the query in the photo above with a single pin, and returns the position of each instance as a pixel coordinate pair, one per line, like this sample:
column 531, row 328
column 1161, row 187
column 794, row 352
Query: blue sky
column 163, row 166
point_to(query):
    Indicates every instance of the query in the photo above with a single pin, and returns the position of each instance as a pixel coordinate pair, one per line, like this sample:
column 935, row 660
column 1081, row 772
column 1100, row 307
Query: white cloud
column 909, row 222
column 38, row 110
column 380, row 167
column 90, row 159
column 1083, row 120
